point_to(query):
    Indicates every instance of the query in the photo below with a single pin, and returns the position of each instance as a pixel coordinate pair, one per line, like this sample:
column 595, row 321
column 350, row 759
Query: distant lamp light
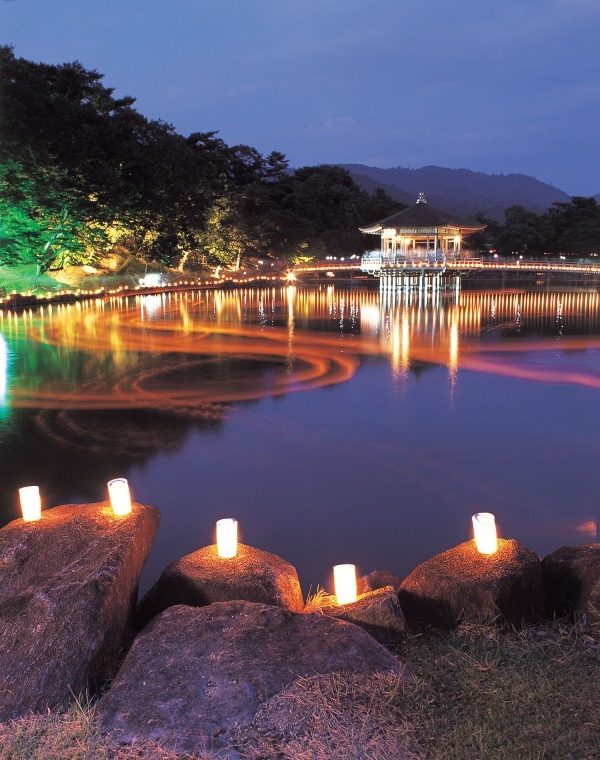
column 120, row 498
column 484, row 527
column 31, row 505
column 344, row 580
column 227, row 535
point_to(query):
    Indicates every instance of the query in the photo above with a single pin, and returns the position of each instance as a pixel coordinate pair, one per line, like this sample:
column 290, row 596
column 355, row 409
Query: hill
column 461, row 191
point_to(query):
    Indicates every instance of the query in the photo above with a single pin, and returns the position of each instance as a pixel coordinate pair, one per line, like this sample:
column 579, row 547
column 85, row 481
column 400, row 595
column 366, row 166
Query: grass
column 476, row 693
column 22, row 278
column 69, row 735
column 481, row 693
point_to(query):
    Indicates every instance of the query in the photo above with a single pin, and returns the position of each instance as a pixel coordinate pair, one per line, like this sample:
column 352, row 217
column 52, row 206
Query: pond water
column 335, row 425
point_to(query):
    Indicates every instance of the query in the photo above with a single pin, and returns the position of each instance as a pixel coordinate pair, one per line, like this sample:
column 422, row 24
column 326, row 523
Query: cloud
column 334, row 124
column 243, row 90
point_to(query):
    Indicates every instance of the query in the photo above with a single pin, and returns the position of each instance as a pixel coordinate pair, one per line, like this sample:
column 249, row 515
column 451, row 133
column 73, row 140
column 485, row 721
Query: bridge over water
column 430, row 271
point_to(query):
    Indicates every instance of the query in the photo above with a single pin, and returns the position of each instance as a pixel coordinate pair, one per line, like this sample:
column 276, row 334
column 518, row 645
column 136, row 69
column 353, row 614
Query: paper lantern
column 484, row 527
column 120, row 498
column 344, row 580
column 31, row 505
column 227, row 530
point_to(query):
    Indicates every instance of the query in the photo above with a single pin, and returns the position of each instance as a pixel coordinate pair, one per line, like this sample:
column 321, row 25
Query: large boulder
column 462, row 585
column 572, row 579
column 378, row 612
column 68, row 589
column 378, row 579
column 195, row 676
column 202, row 578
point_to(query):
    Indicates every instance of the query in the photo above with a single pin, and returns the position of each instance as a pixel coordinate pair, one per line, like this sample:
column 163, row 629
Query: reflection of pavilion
column 415, row 245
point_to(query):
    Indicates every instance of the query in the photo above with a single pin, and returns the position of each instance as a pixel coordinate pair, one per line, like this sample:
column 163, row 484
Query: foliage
column 40, row 221
column 319, row 210
column 81, row 170
column 572, row 229
column 521, row 233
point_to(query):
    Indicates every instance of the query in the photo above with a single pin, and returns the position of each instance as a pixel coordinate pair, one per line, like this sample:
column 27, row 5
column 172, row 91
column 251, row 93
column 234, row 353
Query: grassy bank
column 475, row 693
column 22, row 278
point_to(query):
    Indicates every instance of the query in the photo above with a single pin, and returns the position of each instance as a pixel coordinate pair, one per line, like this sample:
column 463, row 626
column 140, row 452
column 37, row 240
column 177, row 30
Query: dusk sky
column 503, row 87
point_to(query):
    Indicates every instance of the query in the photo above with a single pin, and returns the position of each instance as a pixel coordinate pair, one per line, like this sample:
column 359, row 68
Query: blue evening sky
column 510, row 86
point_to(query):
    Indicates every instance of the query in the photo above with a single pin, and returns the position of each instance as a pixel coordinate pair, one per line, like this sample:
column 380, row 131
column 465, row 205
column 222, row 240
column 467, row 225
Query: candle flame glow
column 31, row 505
column 484, row 527
column 120, row 498
column 227, row 537
column 344, row 579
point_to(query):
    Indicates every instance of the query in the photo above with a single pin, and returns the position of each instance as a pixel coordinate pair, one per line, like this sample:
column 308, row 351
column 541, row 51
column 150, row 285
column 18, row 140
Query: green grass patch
column 22, row 278
column 481, row 693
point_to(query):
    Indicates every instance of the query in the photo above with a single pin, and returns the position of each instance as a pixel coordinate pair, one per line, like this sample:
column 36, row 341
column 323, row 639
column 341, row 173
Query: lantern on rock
column 344, row 581
column 227, row 535
column 31, row 505
column 120, row 498
column 484, row 527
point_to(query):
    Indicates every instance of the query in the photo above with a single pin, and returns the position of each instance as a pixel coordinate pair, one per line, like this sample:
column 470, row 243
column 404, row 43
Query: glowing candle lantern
column 227, row 537
column 31, row 504
column 484, row 527
column 344, row 580
column 120, row 498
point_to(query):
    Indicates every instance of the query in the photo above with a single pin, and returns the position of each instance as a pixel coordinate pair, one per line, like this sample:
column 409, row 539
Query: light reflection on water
column 416, row 411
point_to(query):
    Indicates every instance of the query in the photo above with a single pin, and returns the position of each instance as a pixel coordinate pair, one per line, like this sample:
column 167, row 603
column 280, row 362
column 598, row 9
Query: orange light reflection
column 190, row 333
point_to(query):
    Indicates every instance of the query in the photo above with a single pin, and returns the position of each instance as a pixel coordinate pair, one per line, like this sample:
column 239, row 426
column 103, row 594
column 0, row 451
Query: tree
column 81, row 170
column 55, row 191
column 319, row 210
column 574, row 228
column 243, row 219
column 521, row 233
column 488, row 238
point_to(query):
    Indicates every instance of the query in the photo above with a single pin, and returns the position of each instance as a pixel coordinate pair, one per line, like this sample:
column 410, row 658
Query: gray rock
column 68, row 588
column 378, row 612
column 462, row 585
column 195, row 676
column 202, row 577
column 378, row 579
column 572, row 579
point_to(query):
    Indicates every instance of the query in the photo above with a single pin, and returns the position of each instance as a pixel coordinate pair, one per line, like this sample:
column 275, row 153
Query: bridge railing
column 374, row 261
column 538, row 266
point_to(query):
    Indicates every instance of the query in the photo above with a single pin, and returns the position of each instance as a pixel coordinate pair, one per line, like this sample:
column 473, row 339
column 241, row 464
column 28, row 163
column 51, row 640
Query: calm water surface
column 337, row 426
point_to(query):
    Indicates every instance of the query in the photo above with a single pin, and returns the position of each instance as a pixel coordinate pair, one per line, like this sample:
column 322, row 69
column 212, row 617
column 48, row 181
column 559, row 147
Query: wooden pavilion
column 416, row 243
column 421, row 232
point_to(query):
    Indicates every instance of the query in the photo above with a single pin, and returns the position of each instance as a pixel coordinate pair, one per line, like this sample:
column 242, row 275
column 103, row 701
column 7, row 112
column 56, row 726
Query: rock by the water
column 195, row 675
column 68, row 589
column 378, row 612
column 378, row 579
column 462, row 585
column 202, row 578
column 572, row 578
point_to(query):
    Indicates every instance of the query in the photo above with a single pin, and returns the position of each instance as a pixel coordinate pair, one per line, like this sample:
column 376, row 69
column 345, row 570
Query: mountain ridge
column 461, row 191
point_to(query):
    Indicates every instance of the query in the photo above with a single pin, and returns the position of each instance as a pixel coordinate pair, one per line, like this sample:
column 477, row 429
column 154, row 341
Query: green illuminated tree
column 42, row 222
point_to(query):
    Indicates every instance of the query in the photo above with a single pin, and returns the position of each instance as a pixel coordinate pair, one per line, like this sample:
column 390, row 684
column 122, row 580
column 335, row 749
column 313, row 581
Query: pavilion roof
column 422, row 215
